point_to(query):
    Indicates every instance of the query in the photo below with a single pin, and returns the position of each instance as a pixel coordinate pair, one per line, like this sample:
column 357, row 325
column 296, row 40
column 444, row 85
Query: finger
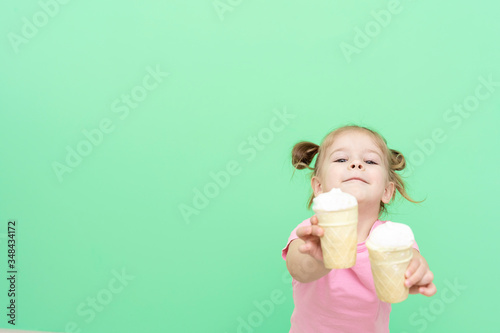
column 304, row 231
column 317, row 231
column 428, row 290
column 416, row 277
column 427, row 278
column 306, row 248
column 303, row 248
column 412, row 267
column 314, row 220
column 414, row 290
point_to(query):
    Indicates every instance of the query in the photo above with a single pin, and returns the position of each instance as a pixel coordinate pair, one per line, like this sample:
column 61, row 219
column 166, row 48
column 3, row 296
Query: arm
column 304, row 259
column 419, row 277
column 303, row 267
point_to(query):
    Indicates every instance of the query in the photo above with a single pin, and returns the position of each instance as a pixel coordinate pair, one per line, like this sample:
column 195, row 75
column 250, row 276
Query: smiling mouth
column 358, row 179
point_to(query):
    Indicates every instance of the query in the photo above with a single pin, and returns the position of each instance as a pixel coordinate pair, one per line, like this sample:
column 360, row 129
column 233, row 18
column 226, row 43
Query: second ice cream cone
column 388, row 268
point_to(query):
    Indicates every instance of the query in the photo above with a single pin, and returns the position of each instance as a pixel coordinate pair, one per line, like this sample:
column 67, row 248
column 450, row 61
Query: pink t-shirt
column 344, row 300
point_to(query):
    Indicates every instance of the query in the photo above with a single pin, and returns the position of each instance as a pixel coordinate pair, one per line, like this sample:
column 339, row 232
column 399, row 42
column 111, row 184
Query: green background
column 229, row 73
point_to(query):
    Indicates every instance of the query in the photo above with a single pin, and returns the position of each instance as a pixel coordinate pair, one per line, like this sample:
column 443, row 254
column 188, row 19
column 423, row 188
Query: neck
column 366, row 218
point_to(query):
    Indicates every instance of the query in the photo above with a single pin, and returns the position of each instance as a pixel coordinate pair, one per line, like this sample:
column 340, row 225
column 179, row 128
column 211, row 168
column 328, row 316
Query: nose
column 355, row 165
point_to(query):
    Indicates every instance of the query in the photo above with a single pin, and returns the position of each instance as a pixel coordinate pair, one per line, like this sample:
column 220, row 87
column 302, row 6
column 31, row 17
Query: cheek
column 379, row 175
column 336, row 166
column 334, row 179
column 334, row 170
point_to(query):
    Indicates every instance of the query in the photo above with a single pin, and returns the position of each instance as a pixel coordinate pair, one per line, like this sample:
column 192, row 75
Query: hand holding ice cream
column 331, row 238
column 419, row 277
column 311, row 237
column 392, row 259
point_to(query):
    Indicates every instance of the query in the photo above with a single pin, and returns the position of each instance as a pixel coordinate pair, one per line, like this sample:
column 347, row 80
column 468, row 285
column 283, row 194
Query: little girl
column 358, row 161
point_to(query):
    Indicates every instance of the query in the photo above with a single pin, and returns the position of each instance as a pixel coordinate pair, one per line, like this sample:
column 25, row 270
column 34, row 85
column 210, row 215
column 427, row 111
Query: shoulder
column 377, row 223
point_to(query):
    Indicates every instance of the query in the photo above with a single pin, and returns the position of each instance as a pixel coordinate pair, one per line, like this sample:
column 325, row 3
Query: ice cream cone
column 339, row 242
column 388, row 268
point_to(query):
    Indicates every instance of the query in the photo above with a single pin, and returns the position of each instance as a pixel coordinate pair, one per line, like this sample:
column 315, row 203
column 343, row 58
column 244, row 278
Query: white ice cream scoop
column 334, row 200
column 390, row 235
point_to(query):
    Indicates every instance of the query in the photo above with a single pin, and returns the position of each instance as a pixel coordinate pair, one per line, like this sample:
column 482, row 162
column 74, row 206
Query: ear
column 388, row 192
column 316, row 186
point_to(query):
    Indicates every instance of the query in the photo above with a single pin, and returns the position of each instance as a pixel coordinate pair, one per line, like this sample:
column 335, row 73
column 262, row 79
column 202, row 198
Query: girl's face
column 356, row 165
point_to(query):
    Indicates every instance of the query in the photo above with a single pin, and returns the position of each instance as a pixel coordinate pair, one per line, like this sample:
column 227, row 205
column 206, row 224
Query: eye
column 371, row 162
column 340, row 160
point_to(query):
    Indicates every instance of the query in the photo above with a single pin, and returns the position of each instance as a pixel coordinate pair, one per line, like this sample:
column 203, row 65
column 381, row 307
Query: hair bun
column 303, row 153
column 398, row 161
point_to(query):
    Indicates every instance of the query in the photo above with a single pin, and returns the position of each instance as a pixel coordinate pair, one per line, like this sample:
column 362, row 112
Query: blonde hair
column 304, row 152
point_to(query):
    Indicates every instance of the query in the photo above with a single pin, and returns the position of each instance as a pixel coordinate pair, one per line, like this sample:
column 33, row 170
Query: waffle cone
column 339, row 241
column 388, row 269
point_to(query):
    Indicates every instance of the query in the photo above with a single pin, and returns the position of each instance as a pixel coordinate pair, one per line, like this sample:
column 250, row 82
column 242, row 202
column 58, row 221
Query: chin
column 354, row 192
